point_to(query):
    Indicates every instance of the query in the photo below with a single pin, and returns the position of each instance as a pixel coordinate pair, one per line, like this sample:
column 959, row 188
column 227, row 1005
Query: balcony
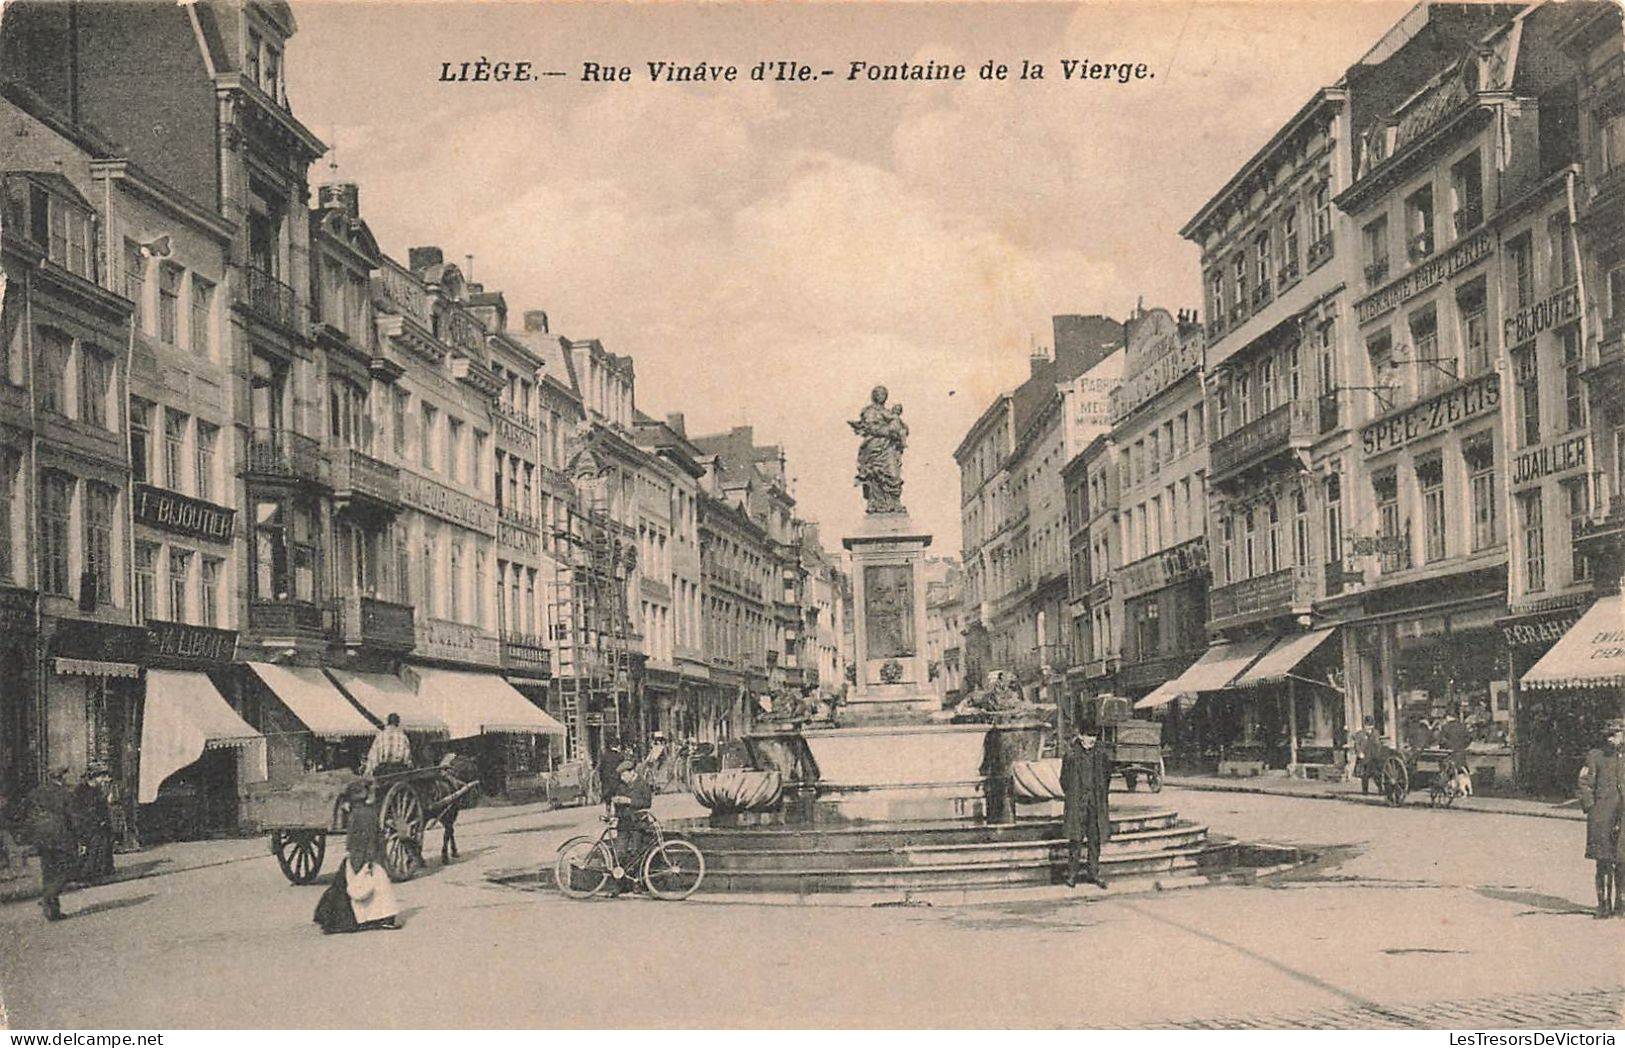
column 1289, row 275
column 282, row 453
column 372, row 623
column 1217, row 326
column 1262, row 295
column 1288, row 591
column 1286, row 429
column 1419, row 247
column 272, row 300
column 1376, row 272
column 1321, row 250
column 1100, row 667
column 287, row 619
column 525, row 653
column 1467, row 219
column 358, row 476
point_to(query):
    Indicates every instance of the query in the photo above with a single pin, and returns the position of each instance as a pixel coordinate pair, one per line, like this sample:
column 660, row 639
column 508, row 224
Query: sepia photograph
column 711, row 515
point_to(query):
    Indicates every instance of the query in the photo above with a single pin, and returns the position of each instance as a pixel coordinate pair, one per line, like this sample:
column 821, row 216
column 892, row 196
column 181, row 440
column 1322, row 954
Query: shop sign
column 402, row 291
column 1165, row 568
column 84, row 639
column 1547, row 460
column 1468, row 400
column 1155, row 361
column 182, row 514
column 1557, row 309
column 456, row 642
column 16, row 610
column 518, row 538
column 1425, row 276
column 1374, row 545
column 1543, row 631
column 513, row 432
column 441, row 501
column 182, row 641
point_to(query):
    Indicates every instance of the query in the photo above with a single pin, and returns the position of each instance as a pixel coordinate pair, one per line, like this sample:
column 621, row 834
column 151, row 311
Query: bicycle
column 671, row 869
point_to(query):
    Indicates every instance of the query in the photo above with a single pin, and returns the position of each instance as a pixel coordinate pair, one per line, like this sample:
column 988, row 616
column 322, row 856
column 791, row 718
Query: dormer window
column 262, row 64
column 57, row 218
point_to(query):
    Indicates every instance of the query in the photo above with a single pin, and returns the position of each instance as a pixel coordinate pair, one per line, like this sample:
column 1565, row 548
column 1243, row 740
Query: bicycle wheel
column 674, row 870
column 583, row 867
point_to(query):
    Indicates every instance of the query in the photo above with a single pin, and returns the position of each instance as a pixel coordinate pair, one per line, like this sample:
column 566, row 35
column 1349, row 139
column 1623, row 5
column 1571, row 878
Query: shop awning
column 482, row 704
column 312, row 698
column 381, row 694
column 1279, row 662
column 1218, row 666
column 1590, row 655
column 183, row 716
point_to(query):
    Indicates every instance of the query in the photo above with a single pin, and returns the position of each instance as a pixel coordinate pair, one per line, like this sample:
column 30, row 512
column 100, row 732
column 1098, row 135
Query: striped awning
column 1279, row 662
column 1590, row 655
column 1218, row 666
column 311, row 697
column 184, row 715
column 381, row 694
column 482, row 704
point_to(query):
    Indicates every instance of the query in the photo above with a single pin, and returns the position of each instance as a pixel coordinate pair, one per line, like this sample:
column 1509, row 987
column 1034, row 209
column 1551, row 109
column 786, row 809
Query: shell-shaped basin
column 737, row 790
column 1038, row 780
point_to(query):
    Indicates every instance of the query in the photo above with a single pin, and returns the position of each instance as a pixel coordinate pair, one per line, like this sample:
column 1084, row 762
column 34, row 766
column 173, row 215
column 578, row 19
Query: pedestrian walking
column 361, row 896
column 1367, row 753
column 51, row 829
column 93, row 819
column 1602, row 798
column 1085, row 781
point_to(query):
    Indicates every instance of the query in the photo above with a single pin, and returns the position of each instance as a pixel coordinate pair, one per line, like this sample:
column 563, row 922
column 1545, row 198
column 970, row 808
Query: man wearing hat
column 93, row 820
column 1602, row 798
column 50, row 825
column 1086, row 773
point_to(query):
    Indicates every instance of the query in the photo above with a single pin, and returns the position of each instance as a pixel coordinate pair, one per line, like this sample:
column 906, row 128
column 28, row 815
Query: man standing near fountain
column 1085, row 779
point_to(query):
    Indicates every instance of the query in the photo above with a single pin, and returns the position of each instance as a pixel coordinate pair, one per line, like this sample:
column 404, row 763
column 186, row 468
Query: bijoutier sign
column 1468, row 400
column 1535, row 463
column 1418, row 280
column 1557, row 309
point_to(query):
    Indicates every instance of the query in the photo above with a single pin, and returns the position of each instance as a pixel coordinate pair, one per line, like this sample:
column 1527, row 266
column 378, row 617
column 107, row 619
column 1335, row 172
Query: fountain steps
column 768, row 837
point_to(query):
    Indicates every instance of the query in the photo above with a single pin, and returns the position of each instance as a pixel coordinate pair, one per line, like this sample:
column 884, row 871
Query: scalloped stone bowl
column 738, row 790
column 1038, row 780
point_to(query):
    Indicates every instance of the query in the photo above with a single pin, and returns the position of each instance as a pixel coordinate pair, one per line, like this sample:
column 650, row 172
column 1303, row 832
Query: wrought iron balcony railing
column 272, row 299
column 282, row 453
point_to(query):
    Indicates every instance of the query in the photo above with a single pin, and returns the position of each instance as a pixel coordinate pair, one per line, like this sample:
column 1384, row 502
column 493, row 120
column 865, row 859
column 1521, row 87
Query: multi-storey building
column 824, row 630
column 737, row 576
column 1276, row 260
column 944, row 625
column 1096, row 607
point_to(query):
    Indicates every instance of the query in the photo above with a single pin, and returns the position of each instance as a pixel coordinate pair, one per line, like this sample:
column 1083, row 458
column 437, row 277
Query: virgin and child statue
column 880, row 455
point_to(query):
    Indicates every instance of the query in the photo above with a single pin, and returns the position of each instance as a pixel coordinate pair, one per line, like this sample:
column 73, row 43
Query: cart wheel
column 1153, row 779
column 299, row 853
column 583, row 867
column 674, row 870
column 401, row 820
column 1396, row 782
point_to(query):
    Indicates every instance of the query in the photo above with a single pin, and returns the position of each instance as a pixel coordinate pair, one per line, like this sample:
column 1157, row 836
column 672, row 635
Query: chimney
column 346, row 196
column 676, row 423
column 536, row 320
column 1037, row 361
column 421, row 258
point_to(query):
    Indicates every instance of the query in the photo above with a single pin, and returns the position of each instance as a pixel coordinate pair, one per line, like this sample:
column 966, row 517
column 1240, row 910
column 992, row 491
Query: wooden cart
column 1398, row 771
column 1135, row 744
column 303, row 814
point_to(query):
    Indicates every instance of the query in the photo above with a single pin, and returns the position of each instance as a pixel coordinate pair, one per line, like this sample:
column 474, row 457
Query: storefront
column 1209, row 728
column 1568, row 694
column 1296, row 715
column 489, row 720
column 308, row 723
column 94, row 683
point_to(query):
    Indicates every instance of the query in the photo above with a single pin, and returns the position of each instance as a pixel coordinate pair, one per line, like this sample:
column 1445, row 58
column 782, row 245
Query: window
column 140, row 440
column 1238, row 283
column 426, row 443
column 456, row 464
column 1527, row 378
column 1289, row 245
column 479, row 587
column 1300, row 528
column 272, row 69
column 99, row 502
column 1376, row 251
column 1294, row 376
column 1198, row 431
column 1521, row 271
column 398, row 421
column 251, row 65
column 454, row 588
column 1154, row 450
column 202, row 309
column 9, row 463
column 67, row 230
column 209, row 591
column 427, row 575
column 52, row 350
column 1273, row 564
column 1266, row 386
column 1578, row 498
column 1560, row 244
column 1475, row 334
column 169, row 298
column 476, row 460
column 1264, row 260
column 1392, row 387
column 174, row 449
column 1436, row 372
column 146, row 581
column 1385, row 486
column 1215, row 291
column 1574, row 392
column 1430, row 478
column 180, row 585
column 268, row 386
column 1419, row 224
column 95, row 380
column 1467, row 192
column 1322, row 202
column 135, row 280
column 1479, row 454
column 1534, row 541
column 207, row 438
column 1334, row 517
column 56, row 507
column 349, row 421
column 1244, row 398
column 403, row 568
column 284, row 551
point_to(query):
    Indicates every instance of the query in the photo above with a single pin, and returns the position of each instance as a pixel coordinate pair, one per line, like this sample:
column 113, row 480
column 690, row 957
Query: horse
column 456, row 771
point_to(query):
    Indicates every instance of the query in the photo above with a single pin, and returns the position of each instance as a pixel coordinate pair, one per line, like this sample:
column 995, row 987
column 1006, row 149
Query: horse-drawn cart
column 1398, row 771
column 303, row 814
column 1135, row 744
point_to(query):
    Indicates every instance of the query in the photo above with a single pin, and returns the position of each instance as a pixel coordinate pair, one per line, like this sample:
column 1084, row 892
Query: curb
column 1210, row 786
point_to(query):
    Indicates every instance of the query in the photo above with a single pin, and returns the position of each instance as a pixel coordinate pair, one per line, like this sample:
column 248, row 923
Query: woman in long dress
column 339, row 910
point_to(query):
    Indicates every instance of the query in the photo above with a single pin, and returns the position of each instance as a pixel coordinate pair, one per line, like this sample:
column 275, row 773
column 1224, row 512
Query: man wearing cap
column 1085, row 778
column 391, row 749
column 632, row 798
column 93, row 822
column 1602, row 798
column 50, row 825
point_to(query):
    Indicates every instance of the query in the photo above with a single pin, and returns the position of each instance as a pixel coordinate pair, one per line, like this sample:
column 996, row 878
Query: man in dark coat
column 1085, row 777
column 608, row 778
column 93, row 818
column 1602, row 798
column 51, row 826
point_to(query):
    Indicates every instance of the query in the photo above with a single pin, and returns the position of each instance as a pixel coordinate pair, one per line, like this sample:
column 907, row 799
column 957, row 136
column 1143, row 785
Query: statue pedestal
column 892, row 678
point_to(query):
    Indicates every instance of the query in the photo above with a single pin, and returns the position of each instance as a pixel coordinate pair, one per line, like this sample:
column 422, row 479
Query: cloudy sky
column 768, row 252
